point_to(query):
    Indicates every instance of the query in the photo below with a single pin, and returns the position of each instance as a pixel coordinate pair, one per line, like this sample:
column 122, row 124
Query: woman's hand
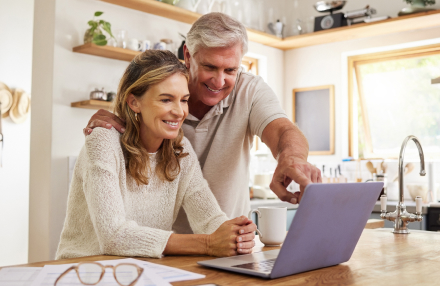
column 235, row 236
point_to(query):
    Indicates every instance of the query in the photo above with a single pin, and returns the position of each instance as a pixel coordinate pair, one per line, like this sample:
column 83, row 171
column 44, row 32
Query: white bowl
column 418, row 190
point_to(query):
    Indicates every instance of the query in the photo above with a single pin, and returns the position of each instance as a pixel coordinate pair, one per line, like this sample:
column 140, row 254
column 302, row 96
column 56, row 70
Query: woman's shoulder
column 109, row 136
column 187, row 148
column 103, row 140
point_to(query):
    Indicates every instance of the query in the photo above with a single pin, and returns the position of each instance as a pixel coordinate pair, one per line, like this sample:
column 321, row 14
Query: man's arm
column 105, row 119
column 290, row 148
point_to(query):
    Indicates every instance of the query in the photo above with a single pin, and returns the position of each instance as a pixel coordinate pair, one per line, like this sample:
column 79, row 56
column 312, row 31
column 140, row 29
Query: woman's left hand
column 245, row 239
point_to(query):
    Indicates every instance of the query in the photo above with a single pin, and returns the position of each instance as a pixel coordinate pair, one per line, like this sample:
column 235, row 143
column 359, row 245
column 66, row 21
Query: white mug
column 271, row 224
column 134, row 44
column 146, row 45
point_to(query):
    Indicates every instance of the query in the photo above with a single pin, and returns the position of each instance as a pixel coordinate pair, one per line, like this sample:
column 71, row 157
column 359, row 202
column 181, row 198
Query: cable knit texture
column 108, row 213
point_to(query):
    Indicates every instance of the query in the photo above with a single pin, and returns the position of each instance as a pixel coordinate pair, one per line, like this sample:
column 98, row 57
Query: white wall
column 326, row 64
column 72, row 78
column 304, row 10
column 16, row 20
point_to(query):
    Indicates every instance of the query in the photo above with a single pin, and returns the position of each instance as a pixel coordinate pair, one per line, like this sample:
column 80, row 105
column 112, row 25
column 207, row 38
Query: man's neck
column 198, row 108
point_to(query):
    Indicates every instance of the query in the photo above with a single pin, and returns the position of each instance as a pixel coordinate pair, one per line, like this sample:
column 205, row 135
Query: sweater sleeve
column 201, row 207
column 116, row 234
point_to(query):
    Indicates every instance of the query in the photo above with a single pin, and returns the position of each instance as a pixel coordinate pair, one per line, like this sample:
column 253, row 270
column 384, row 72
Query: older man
column 227, row 108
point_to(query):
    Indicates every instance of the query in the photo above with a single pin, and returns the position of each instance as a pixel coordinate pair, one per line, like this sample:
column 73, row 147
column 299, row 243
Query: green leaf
column 99, row 40
column 98, row 13
column 100, row 43
column 93, row 24
column 101, row 22
column 98, row 37
column 108, row 28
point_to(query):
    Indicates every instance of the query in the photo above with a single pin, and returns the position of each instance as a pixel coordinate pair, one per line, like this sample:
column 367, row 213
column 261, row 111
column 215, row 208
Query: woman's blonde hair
column 148, row 68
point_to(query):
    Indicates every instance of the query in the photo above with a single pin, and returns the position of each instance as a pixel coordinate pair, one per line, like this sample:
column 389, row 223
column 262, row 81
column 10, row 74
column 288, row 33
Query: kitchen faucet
column 400, row 216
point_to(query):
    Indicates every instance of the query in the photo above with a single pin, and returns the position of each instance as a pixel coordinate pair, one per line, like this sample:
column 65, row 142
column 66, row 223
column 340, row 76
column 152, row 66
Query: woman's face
column 162, row 110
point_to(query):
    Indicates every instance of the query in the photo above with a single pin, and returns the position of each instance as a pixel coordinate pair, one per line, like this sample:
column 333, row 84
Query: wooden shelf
column 364, row 30
column 435, row 80
column 106, row 52
column 389, row 26
column 182, row 15
column 92, row 104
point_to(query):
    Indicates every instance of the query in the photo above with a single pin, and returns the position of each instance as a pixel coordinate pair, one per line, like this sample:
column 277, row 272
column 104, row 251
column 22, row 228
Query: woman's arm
column 226, row 237
column 101, row 185
column 225, row 241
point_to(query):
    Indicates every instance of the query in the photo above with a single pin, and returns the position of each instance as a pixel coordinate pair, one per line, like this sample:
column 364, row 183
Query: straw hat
column 5, row 99
column 20, row 106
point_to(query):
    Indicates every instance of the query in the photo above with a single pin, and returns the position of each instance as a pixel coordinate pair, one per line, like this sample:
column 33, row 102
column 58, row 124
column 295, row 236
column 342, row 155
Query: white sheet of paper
column 18, row 276
column 169, row 274
column 50, row 273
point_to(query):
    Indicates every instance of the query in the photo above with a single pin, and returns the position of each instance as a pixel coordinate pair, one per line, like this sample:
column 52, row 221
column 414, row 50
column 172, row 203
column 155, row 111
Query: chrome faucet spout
column 400, row 216
column 422, row 163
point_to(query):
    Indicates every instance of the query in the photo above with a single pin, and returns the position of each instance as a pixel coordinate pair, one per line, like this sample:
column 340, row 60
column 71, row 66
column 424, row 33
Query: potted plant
column 416, row 7
column 94, row 34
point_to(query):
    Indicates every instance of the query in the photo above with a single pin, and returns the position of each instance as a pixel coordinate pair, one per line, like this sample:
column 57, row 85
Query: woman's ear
column 133, row 103
column 186, row 55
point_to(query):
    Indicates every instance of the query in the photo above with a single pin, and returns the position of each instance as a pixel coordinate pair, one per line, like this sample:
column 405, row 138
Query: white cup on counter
column 271, row 224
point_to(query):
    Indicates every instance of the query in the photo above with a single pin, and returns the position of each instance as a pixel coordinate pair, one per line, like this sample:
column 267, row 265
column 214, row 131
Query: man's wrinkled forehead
column 207, row 57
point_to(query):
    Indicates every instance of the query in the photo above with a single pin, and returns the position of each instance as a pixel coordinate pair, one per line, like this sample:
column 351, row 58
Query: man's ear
column 186, row 55
column 133, row 103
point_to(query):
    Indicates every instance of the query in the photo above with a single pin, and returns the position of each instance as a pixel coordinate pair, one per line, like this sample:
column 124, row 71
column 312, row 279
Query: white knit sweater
column 108, row 213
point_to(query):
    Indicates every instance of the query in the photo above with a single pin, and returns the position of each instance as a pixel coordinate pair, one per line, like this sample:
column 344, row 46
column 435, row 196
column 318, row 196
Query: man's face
column 213, row 72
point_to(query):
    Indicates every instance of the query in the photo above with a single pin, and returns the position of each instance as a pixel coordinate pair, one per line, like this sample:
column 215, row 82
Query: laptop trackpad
column 256, row 257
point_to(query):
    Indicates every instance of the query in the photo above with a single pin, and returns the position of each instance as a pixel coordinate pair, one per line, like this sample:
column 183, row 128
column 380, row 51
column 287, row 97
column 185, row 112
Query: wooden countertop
column 380, row 258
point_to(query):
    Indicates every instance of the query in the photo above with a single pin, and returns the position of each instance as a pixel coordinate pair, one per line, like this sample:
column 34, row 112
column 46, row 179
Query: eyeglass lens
column 126, row 274
column 89, row 273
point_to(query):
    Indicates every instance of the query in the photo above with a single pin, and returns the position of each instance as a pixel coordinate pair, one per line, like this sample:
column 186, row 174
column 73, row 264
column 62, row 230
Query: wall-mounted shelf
column 435, row 80
column 92, row 104
column 182, row 15
column 364, row 30
column 106, row 52
column 394, row 25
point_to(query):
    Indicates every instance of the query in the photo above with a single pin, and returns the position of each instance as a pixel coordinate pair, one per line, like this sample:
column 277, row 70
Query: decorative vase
column 417, row 6
column 88, row 36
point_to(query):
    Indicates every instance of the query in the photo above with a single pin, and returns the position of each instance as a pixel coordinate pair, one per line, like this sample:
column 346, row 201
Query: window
column 391, row 97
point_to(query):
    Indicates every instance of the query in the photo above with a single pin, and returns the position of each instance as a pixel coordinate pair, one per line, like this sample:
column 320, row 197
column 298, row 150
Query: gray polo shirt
column 223, row 139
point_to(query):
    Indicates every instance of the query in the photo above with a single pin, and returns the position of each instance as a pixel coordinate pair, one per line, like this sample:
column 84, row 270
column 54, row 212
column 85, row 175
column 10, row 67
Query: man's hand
column 105, row 119
column 291, row 169
column 291, row 149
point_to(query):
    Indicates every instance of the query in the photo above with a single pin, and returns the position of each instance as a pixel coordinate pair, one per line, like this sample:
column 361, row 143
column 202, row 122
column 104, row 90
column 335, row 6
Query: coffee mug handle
column 259, row 215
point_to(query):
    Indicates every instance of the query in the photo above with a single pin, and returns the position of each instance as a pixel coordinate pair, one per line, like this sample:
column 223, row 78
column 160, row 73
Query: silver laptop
column 324, row 232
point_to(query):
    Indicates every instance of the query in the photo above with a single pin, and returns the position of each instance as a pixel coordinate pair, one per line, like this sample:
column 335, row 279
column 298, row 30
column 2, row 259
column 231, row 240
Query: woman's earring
column 136, row 117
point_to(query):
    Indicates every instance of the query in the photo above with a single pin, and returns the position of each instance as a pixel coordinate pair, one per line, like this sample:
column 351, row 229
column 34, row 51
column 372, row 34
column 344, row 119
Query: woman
column 127, row 189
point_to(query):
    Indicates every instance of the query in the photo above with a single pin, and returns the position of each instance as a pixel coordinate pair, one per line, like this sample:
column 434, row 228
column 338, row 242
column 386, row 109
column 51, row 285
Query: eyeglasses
column 91, row 273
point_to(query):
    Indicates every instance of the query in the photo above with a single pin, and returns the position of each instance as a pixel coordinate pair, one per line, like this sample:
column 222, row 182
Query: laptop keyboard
column 262, row 266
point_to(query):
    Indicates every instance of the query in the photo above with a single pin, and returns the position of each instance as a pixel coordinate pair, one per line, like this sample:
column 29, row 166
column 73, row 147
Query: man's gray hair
column 216, row 30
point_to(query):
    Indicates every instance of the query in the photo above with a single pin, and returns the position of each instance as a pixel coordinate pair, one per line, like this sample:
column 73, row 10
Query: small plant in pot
column 416, row 7
column 95, row 33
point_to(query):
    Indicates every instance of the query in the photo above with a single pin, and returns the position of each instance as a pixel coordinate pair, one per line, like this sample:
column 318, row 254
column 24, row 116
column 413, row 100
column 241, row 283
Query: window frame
column 353, row 79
